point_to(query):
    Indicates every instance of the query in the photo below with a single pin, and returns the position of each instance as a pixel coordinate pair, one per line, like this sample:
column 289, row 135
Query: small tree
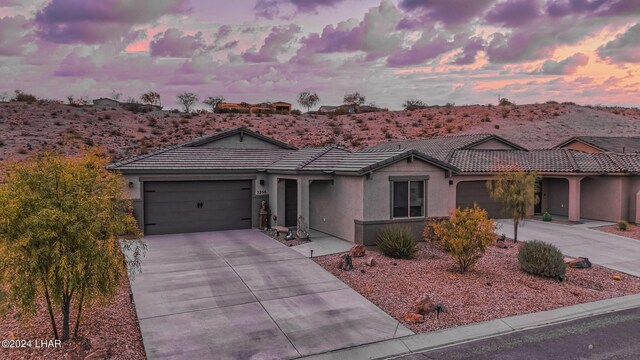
column 308, row 99
column 213, row 101
column 187, row 100
column 71, row 100
column 354, row 99
column 505, row 102
column 518, row 193
column 465, row 235
column 150, row 98
column 116, row 95
column 414, row 104
column 60, row 219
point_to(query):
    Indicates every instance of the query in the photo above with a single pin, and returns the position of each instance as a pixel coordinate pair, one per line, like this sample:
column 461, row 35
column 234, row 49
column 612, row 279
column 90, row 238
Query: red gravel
column 633, row 232
column 495, row 288
column 114, row 324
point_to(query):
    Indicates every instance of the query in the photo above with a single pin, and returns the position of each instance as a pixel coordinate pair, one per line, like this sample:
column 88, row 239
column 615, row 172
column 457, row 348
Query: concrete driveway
column 609, row 250
column 242, row 295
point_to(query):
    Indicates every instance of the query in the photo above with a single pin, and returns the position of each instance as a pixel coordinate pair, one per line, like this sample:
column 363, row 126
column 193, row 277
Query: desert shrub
column 623, row 225
column 540, row 258
column 24, row 97
column 465, row 236
column 296, row 112
column 546, row 217
column 397, row 242
column 505, row 102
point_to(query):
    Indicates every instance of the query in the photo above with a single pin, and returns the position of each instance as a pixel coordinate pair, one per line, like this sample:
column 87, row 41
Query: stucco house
column 107, row 102
column 217, row 182
column 592, row 144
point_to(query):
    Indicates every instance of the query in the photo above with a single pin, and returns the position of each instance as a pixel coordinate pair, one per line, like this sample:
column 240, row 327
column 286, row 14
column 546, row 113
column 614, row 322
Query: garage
column 469, row 192
column 172, row 207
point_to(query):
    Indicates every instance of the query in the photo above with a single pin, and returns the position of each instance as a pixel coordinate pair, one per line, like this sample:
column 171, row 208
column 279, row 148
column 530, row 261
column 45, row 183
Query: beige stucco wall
column 377, row 190
column 333, row 206
column 601, row 198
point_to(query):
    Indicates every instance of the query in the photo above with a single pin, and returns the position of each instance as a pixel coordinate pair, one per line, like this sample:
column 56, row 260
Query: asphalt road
column 610, row 336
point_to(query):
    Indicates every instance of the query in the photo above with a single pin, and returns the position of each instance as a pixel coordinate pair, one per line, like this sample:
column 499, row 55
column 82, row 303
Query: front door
column 290, row 203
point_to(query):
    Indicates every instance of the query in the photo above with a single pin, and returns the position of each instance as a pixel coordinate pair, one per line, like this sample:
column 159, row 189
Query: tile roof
column 615, row 144
column 548, row 160
column 450, row 153
column 441, row 147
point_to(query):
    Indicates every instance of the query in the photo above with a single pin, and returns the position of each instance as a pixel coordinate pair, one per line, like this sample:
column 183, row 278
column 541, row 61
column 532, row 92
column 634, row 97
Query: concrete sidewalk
column 442, row 338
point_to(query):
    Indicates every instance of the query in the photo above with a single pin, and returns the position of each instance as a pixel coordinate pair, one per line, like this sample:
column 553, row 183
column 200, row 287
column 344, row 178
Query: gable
column 492, row 144
column 581, row 146
column 240, row 141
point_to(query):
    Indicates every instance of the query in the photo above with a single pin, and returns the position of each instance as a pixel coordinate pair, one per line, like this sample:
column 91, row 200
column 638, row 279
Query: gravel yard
column 495, row 288
column 281, row 238
column 114, row 328
column 632, row 232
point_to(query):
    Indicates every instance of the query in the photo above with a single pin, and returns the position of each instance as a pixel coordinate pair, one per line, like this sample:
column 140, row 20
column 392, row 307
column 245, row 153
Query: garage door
column 196, row 206
column 469, row 192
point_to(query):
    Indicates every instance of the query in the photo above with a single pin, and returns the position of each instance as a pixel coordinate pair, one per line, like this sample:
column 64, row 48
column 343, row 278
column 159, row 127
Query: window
column 408, row 199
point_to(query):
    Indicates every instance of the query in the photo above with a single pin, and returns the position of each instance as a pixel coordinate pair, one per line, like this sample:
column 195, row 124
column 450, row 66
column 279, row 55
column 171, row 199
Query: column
column 303, row 200
column 574, row 198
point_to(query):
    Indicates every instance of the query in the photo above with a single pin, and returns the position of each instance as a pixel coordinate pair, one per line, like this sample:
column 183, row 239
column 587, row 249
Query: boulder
column 424, row 306
column 579, row 263
column 413, row 318
column 357, row 251
column 502, row 245
column 370, row 262
column 616, row 277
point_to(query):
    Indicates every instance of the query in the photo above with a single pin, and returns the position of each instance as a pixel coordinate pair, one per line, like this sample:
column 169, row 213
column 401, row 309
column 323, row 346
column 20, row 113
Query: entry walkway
column 323, row 244
column 615, row 252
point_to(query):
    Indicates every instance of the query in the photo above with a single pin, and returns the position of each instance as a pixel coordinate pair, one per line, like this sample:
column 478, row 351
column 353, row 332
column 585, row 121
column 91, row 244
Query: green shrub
column 623, row 225
column 543, row 259
column 546, row 217
column 397, row 242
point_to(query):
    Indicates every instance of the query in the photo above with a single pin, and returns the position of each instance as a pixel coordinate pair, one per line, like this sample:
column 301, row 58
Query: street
column 610, row 336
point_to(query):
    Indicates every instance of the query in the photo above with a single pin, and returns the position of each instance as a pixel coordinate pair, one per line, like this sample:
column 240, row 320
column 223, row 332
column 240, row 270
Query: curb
column 447, row 337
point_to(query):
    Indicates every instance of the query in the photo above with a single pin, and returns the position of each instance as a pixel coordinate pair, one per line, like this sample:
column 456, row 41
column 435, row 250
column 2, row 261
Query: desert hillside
column 27, row 128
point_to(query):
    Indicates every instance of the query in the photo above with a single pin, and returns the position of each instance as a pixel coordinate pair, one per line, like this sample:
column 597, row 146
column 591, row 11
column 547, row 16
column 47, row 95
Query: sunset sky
column 438, row 51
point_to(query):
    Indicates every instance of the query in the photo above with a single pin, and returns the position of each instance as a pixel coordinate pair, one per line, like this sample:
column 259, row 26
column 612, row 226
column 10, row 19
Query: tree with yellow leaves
column 518, row 193
column 60, row 224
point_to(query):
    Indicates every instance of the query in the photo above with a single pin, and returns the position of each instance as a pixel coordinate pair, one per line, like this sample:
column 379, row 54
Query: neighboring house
column 218, row 182
column 107, row 102
column 349, row 109
column 594, row 144
column 279, row 106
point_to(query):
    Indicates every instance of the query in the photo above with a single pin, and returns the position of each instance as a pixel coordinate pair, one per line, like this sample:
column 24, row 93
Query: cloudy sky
column 462, row 51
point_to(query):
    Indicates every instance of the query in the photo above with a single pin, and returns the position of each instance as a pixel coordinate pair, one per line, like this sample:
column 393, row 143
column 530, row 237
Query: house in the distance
column 107, row 102
column 349, row 109
column 218, row 182
column 276, row 107
column 593, row 144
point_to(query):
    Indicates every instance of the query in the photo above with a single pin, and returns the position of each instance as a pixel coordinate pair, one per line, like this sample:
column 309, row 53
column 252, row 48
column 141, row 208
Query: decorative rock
column 579, row 263
column 358, row 250
column 424, row 306
column 502, row 245
column 370, row 262
column 97, row 355
column 413, row 318
column 616, row 277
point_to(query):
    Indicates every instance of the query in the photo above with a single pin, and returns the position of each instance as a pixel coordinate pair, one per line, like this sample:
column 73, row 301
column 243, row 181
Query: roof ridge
column 314, row 158
column 614, row 158
column 569, row 154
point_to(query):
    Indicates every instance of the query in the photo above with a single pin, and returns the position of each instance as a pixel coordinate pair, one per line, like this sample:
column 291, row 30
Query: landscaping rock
column 370, row 262
column 616, row 277
column 357, row 251
column 579, row 263
column 502, row 245
column 424, row 306
column 413, row 318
